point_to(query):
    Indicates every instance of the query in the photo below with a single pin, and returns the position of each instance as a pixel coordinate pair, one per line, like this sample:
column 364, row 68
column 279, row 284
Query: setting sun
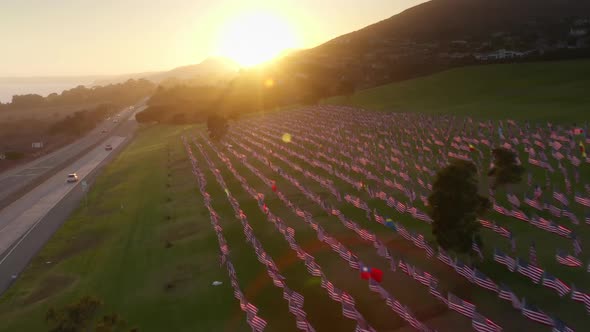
column 254, row 38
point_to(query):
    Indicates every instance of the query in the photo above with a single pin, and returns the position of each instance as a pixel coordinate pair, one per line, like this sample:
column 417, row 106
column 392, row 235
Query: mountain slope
column 442, row 34
column 209, row 69
column 210, row 66
column 457, row 19
column 554, row 91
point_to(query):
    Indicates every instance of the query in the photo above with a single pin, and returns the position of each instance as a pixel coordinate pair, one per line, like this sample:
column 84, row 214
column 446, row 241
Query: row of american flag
column 400, row 207
column 539, row 222
column 340, row 249
column 257, row 323
column 480, row 323
column 294, row 299
column 422, row 216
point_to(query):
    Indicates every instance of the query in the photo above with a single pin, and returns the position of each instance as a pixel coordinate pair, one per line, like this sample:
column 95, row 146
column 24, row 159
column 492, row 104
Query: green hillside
column 543, row 91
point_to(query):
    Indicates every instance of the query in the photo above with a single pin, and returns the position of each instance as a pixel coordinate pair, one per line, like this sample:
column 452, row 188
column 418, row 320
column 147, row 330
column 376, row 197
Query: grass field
column 543, row 91
column 116, row 248
column 571, row 312
column 119, row 255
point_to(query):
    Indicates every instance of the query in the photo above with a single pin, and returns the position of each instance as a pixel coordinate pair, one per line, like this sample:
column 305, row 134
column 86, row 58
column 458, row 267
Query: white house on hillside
column 578, row 31
column 499, row 55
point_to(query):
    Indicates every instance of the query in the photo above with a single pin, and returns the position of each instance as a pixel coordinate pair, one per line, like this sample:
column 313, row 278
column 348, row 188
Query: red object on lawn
column 376, row 274
column 365, row 275
column 371, row 273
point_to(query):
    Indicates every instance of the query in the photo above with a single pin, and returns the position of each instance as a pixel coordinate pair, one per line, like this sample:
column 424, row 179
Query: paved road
column 18, row 181
column 29, row 222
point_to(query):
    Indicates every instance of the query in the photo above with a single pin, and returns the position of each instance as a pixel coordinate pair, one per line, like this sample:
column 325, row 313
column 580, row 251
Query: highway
column 28, row 222
column 18, row 181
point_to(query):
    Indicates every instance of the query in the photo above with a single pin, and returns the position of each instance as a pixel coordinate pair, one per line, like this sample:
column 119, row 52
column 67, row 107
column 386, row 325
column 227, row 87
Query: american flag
column 571, row 216
column 538, row 192
column 304, row 325
column 502, row 231
column 533, row 254
column 375, row 287
column 461, row 306
column 445, row 258
column 350, row 312
column 544, row 224
column 390, row 202
column 529, row 270
column 559, row 326
column 568, row 186
column 505, row 293
column 482, row 324
column 433, row 287
column 519, row 215
column 560, row 197
column 582, row 200
column 483, row 281
column 568, row 260
column 513, row 199
column 476, row 248
column 400, row 207
column 535, row 314
column 403, row 266
column 533, row 203
column 429, row 250
column 403, row 232
column 423, row 277
column 464, row 270
column 256, row 323
column 555, row 283
column 512, row 242
column 555, row 211
column 577, row 245
column 581, row 297
column 486, row 223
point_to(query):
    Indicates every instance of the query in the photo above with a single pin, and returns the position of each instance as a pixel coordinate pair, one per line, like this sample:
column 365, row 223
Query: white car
column 108, row 147
column 72, row 177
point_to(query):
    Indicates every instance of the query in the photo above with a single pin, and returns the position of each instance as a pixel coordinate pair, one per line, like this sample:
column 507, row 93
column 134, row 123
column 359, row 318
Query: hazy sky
column 88, row 37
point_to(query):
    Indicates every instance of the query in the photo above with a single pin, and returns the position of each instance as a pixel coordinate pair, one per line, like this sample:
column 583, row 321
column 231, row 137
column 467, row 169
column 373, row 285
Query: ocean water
column 8, row 89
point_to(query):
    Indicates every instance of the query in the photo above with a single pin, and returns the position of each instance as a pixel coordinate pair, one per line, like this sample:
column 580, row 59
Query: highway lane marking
column 45, row 204
column 21, row 240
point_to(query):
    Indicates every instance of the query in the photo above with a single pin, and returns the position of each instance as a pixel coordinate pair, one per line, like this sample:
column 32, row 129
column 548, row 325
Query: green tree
column 505, row 169
column 74, row 317
column 112, row 323
column 454, row 205
column 217, row 127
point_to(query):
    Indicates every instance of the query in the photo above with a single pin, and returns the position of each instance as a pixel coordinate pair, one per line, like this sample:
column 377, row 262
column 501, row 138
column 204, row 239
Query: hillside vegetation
column 544, row 91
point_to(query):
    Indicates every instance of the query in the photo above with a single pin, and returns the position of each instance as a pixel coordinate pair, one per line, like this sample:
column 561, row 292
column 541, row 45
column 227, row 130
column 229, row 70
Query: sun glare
column 253, row 38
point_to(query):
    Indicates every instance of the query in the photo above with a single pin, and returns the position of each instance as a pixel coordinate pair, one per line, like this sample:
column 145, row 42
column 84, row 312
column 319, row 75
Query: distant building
column 37, row 145
column 578, row 31
column 500, row 55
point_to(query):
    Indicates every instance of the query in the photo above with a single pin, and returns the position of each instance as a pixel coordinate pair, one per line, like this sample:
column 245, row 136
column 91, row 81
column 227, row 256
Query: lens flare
column 286, row 137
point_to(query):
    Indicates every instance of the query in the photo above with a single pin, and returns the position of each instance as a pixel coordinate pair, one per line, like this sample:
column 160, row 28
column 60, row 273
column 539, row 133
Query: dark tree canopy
column 217, row 126
column 505, row 169
column 73, row 318
column 454, row 205
column 79, row 316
